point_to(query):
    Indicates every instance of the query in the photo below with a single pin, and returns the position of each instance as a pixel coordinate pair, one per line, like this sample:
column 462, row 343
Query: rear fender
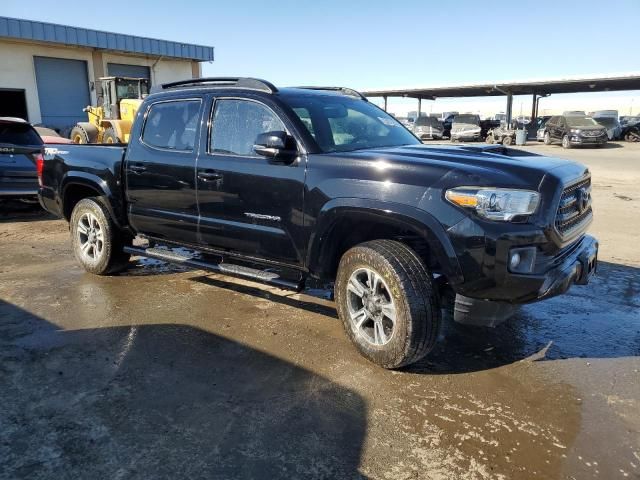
column 322, row 244
column 84, row 179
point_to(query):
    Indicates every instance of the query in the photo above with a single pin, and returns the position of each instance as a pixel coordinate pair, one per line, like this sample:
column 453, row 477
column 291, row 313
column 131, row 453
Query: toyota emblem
column 583, row 198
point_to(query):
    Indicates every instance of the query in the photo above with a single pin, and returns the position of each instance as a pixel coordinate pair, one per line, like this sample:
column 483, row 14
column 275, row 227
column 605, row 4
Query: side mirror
column 276, row 145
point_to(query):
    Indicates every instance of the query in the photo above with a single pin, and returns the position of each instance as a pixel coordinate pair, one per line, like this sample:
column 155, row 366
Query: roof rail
column 347, row 91
column 237, row 82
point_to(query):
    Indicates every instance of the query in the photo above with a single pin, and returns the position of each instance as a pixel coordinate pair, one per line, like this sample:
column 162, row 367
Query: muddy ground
column 167, row 373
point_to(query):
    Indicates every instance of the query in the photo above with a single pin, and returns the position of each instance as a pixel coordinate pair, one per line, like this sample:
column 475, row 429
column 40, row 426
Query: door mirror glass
column 274, row 144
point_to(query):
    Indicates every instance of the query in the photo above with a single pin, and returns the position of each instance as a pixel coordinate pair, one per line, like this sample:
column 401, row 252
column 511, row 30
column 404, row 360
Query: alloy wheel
column 372, row 310
column 90, row 237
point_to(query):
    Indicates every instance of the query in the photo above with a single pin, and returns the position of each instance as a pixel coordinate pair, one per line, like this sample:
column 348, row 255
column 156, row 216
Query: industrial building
column 49, row 72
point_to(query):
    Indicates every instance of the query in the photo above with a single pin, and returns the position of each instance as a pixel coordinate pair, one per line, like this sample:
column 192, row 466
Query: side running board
column 264, row 276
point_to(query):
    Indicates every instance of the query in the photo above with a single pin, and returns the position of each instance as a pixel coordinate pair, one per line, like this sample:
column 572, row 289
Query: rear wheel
column 490, row 140
column 507, row 140
column 79, row 135
column 565, row 142
column 547, row 138
column 110, row 136
column 96, row 241
column 387, row 303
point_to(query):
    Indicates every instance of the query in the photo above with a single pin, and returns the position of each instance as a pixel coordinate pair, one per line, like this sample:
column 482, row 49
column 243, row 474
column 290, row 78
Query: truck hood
column 473, row 165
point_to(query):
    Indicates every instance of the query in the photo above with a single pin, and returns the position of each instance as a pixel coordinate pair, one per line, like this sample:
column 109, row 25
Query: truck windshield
column 344, row 124
column 471, row 119
column 581, row 122
column 427, row 122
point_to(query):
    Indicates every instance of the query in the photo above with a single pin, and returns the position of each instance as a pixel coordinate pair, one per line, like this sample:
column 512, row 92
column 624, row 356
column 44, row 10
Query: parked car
column 296, row 186
column 466, row 127
column 428, row 128
column 20, row 146
column 612, row 125
column 573, row 130
column 631, row 131
column 574, row 113
column 540, row 123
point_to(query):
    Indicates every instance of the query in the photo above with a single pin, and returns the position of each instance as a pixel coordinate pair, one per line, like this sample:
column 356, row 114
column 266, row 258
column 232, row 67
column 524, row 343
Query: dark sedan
column 574, row 130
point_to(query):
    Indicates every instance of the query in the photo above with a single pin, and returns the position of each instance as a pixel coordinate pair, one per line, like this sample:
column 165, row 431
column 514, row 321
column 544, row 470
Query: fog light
column 515, row 261
column 522, row 259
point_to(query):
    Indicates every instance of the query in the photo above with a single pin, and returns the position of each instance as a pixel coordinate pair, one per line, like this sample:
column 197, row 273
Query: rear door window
column 172, row 125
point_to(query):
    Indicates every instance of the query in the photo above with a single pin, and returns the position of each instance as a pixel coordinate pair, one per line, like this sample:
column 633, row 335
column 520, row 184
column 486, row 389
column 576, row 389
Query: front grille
column 592, row 133
column 574, row 210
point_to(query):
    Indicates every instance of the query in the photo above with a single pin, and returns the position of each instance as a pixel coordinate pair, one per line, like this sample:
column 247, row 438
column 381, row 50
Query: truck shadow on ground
column 165, row 401
column 601, row 320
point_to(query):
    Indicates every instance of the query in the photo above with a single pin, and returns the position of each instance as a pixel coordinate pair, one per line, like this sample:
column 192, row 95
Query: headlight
column 575, row 130
column 500, row 204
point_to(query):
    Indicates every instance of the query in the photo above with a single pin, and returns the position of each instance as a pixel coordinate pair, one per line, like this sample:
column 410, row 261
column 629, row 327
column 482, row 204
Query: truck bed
column 97, row 167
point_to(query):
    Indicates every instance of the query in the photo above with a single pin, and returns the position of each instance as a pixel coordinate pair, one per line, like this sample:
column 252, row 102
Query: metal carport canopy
column 539, row 87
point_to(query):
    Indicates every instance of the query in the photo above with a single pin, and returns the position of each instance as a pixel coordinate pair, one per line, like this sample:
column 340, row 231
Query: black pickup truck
column 316, row 185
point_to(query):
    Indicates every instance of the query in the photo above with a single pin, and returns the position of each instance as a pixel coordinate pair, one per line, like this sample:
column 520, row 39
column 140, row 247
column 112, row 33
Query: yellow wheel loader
column 111, row 121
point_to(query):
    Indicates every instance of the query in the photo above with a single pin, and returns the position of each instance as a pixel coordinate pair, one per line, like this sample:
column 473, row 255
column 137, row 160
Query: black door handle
column 209, row 175
column 137, row 168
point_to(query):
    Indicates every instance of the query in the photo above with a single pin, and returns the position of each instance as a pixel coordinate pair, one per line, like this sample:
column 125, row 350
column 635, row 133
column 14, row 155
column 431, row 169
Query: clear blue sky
column 367, row 44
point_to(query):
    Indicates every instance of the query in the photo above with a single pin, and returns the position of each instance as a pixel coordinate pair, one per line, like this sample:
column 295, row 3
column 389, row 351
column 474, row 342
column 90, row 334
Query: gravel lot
column 167, row 373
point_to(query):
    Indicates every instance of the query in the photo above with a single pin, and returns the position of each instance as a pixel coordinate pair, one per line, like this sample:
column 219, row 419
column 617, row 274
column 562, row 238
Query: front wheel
column 507, row 140
column 565, row 142
column 96, row 241
column 547, row 138
column 387, row 302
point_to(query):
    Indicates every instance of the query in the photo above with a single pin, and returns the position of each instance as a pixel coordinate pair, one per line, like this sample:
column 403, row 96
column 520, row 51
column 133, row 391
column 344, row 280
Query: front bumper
column 580, row 140
column 430, row 136
column 465, row 136
column 487, row 275
column 578, row 267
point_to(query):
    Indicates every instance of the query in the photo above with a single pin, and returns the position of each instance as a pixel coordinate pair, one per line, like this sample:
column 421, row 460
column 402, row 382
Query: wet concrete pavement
column 167, row 373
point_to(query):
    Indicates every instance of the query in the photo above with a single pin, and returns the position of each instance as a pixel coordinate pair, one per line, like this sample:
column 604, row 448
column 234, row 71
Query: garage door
column 63, row 91
column 133, row 71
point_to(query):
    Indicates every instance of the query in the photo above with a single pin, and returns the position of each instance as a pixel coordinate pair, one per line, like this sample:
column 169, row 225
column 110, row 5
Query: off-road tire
column 547, row 138
column 112, row 259
column 79, row 135
column 414, row 293
column 490, row 140
column 507, row 140
column 565, row 142
column 110, row 136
